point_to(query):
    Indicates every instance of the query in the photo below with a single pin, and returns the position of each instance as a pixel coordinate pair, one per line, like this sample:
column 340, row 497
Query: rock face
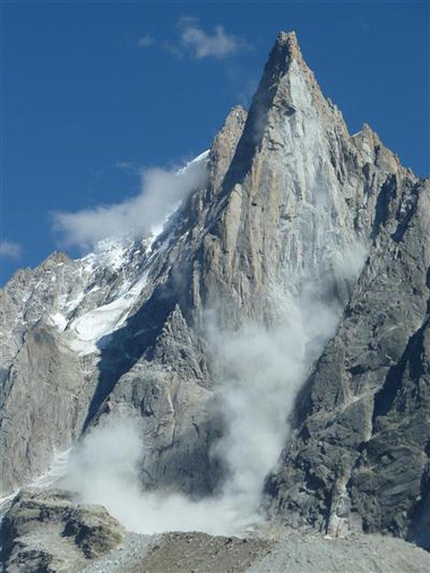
column 47, row 532
column 359, row 456
column 293, row 209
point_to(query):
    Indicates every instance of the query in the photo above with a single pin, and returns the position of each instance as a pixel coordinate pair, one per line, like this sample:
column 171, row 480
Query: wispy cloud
column 146, row 41
column 200, row 44
column 197, row 43
column 128, row 166
column 10, row 249
column 161, row 191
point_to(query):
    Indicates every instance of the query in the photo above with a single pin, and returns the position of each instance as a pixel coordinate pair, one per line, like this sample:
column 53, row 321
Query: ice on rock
column 104, row 320
column 59, row 320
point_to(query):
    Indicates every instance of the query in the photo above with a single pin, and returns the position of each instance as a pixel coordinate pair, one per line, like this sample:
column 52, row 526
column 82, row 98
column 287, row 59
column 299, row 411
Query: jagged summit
column 285, row 59
column 287, row 38
column 288, row 98
column 285, row 49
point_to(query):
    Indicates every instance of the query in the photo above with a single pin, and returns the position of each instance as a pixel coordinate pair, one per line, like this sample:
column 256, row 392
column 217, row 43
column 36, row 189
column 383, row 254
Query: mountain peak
column 288, row 40
column 301, row 262
column 284, row 51
column 287, row 105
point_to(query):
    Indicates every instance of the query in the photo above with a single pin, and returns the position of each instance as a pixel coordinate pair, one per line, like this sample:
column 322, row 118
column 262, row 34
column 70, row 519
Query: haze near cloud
column 10, row 249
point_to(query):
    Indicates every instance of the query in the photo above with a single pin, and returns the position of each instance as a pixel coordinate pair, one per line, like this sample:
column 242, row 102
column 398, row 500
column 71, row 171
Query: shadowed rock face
column 291, row 200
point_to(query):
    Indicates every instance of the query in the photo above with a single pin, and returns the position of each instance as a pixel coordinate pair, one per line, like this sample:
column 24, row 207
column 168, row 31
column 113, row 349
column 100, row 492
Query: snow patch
column 56, row 470
column 108, row 253
column 73, row 303
column 59, row 320
column 89, row 328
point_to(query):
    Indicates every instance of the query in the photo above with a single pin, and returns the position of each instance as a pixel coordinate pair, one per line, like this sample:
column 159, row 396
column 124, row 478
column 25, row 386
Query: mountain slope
column 303, row 259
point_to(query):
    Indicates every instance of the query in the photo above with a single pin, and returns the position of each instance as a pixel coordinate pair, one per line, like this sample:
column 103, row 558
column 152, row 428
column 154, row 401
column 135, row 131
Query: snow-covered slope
column 87, row 298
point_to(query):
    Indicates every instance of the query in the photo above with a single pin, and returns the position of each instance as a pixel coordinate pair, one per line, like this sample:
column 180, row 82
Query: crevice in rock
column 393, row 381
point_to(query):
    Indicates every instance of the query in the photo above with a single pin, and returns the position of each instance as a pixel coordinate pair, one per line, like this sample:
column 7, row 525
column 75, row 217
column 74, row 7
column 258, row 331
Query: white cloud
column 146, row 41
column 161, row 192
column 200, row 44
column 10, row 249
column 196, row 43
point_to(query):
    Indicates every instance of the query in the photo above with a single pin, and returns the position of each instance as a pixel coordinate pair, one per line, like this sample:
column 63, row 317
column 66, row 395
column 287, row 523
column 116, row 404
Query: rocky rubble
column 293, row 552
column 48, row 532
column 44, row 533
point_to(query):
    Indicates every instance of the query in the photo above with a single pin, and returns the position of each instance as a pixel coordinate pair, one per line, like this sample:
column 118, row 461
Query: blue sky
column 92, row 92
